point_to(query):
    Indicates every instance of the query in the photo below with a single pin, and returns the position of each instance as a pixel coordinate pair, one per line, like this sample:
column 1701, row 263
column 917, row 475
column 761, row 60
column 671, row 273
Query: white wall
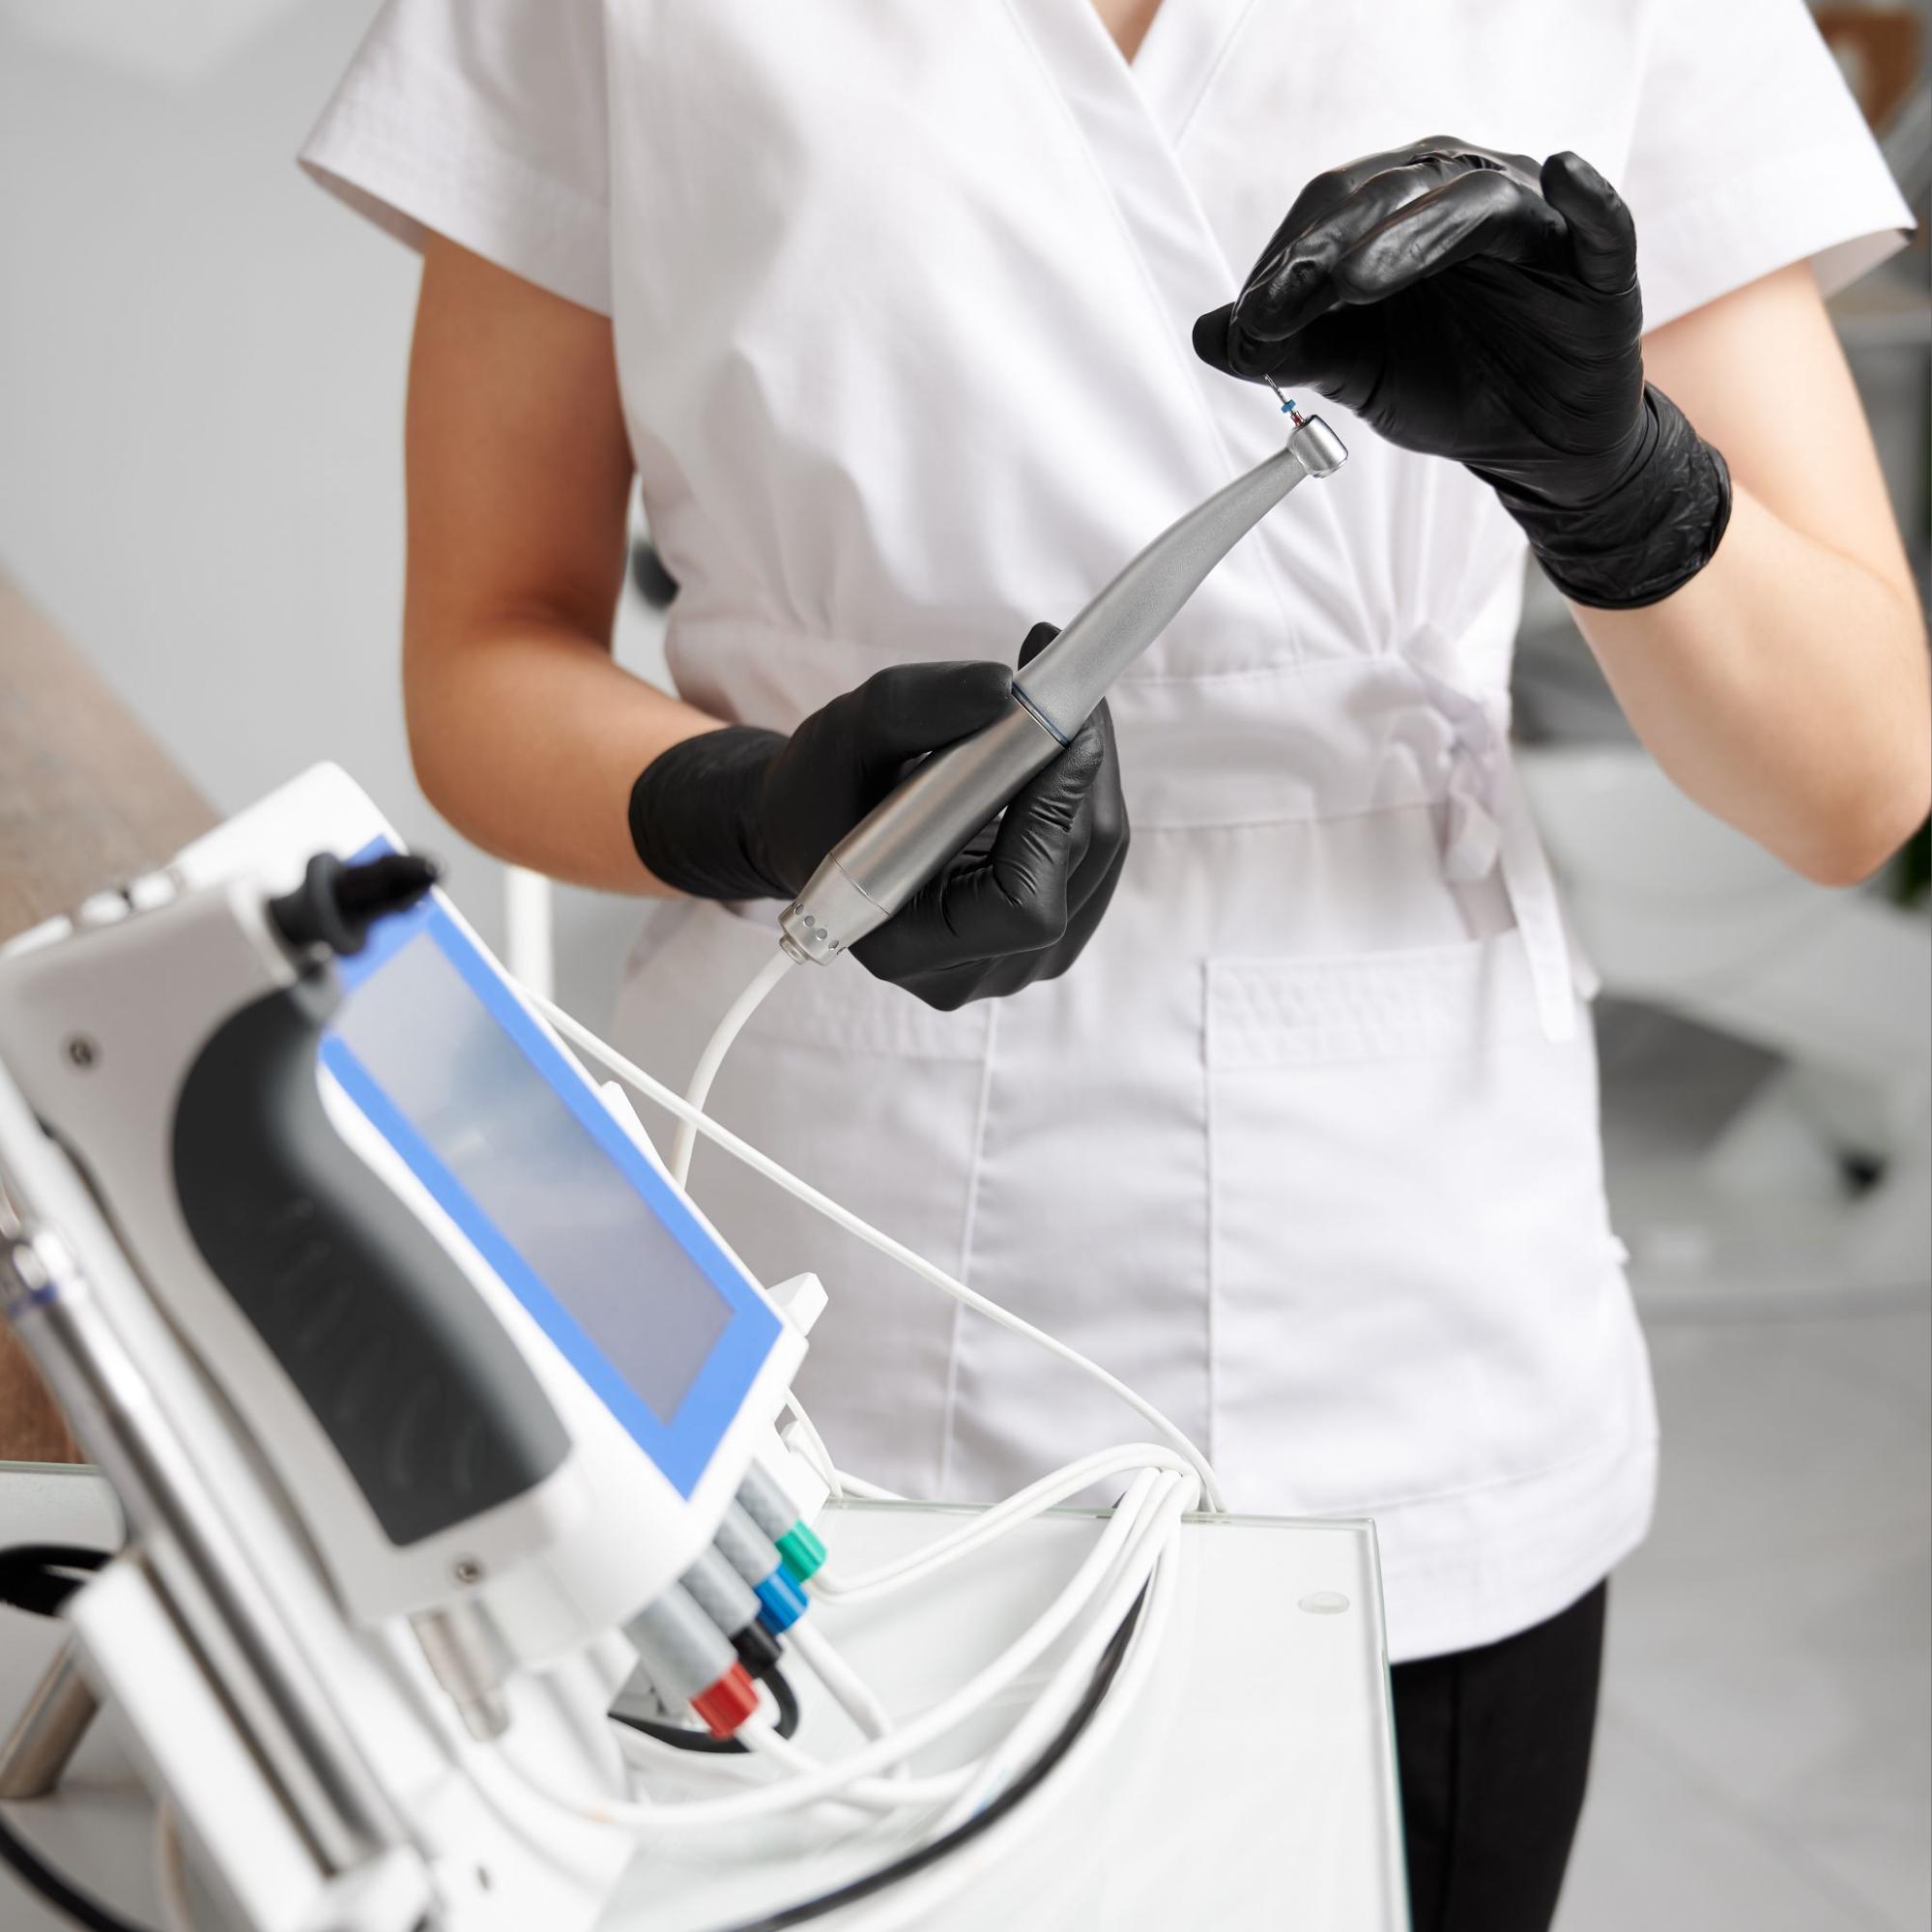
column 201, row 375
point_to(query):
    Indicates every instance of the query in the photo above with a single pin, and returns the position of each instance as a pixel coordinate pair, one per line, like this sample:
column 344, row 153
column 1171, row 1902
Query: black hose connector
column 335, row 904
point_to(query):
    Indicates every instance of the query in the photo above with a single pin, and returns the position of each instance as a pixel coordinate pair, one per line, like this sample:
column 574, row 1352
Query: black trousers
column 1493, row 1751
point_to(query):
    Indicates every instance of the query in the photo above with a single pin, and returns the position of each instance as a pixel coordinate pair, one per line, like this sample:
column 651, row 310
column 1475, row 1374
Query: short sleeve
column 1749, row 154
column 484, row 121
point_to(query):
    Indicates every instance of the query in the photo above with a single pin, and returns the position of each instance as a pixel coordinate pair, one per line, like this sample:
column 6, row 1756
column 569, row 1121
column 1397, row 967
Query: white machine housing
column 98, row 1019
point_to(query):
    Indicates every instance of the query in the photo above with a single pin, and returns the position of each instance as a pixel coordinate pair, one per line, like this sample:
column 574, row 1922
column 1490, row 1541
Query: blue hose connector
column 780, row 1602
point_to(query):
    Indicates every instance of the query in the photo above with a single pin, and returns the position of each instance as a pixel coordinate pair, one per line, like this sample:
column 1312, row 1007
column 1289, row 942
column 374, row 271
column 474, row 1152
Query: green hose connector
column 801, row 1552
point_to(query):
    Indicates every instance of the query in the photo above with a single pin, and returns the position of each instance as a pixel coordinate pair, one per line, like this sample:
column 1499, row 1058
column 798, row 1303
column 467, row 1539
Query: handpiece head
column 1320, row 450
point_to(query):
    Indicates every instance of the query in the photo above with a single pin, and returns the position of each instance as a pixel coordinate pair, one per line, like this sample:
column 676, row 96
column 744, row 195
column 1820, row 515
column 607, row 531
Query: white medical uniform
column 1306, row 1146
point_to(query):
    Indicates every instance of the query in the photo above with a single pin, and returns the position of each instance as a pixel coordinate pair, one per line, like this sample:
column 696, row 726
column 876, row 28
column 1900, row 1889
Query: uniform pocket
column 871, row 1096
column 1414, row 1286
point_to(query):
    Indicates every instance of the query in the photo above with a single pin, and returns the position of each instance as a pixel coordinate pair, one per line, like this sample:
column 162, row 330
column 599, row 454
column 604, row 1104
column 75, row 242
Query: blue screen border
column 681, row 1447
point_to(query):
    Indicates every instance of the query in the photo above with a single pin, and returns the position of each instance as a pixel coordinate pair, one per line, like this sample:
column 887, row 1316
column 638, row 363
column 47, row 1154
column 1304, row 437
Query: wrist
column 695, row 815
column 1648, row 534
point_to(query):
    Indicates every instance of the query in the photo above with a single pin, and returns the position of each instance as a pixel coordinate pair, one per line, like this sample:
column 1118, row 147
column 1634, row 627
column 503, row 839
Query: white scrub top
column 1306, row 1146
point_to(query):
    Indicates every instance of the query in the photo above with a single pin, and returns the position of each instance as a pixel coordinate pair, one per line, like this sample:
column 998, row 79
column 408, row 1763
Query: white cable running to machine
column 1135, row 1523
column 1109, row 1579
column 988, row 1527
column 812, row 1446
column 847, row 1690
column 713, row 1057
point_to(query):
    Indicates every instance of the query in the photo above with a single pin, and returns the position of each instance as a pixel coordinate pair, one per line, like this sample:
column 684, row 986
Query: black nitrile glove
column 1474, row 305
column 748, row 813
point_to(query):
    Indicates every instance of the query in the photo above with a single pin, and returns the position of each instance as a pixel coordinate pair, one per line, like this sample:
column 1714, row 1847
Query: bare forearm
column 529, row 738
column 526, row 734
column 1784, row 688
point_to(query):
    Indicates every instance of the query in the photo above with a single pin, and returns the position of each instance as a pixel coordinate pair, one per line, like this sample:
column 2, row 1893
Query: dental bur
column 876, row 867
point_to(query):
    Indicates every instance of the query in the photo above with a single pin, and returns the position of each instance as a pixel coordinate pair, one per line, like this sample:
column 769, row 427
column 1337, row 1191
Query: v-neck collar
column 1185, row 43
column 1131, row 117
column 1146, row 32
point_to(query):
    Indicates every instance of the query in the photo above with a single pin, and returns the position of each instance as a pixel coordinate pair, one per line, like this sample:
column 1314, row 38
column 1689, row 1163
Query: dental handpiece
column 878, row 866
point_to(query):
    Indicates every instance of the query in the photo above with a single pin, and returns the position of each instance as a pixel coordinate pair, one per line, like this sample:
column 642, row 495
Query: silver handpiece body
column 876, row 867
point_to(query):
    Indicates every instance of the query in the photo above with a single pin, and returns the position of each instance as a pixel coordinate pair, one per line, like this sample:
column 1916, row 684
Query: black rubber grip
column 413, row 1378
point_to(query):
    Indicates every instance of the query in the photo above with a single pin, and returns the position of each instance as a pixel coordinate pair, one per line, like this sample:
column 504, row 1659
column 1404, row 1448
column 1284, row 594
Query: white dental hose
column 849, row 1691
column 988, row 1526
column 1106, row 1584
column 713, row 1057
column 1039, row 1722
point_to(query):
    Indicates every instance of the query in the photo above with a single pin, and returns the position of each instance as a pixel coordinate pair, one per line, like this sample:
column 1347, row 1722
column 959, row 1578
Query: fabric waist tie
column 1489, row 827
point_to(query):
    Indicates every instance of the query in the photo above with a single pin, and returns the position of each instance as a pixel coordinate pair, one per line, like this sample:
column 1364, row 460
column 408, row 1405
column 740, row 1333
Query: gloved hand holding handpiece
column 1473, row 306
column 743, row 812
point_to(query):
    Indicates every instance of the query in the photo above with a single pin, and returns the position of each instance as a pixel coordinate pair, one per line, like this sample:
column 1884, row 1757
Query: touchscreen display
column 502, row 1128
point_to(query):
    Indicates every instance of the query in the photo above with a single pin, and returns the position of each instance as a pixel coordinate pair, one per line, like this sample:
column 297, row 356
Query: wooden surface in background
column 1879, row 48
column 87, row 798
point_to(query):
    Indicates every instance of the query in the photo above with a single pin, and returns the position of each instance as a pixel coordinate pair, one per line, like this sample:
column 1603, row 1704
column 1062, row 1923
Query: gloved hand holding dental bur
column 1475, row 305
